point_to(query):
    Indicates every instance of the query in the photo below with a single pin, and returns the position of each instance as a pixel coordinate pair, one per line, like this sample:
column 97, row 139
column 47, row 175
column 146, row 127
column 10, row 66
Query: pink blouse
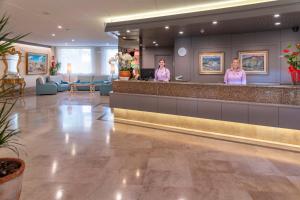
column 162, row 74
column 235, row 77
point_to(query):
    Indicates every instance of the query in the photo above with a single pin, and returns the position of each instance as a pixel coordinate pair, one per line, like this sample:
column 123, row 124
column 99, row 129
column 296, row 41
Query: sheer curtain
column 81, row 59
column 107, row 53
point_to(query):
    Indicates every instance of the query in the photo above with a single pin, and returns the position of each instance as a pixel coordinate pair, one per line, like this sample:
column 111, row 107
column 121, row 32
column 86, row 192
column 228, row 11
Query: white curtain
column 80, row 58
column 106, row 54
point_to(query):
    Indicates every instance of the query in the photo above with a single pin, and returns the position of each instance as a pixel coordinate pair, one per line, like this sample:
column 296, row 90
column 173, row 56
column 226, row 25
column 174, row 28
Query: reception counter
column 258, row 114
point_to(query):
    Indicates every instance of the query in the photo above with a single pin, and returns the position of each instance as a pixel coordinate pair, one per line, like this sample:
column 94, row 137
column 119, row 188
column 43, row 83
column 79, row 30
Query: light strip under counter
column 287, row 139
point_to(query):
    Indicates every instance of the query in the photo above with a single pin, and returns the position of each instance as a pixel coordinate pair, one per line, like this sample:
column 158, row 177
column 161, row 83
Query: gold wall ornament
column 11, row 60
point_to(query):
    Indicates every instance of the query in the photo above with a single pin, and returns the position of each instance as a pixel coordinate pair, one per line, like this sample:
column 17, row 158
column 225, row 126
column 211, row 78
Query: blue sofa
column 43, row 88
column 59, row 81
column 102, row 83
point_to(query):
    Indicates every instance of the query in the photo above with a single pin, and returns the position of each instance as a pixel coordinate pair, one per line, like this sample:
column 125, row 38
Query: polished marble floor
column 74, row 150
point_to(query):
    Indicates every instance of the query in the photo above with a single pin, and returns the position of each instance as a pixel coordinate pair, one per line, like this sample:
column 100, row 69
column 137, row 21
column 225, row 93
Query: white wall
column 30, row 79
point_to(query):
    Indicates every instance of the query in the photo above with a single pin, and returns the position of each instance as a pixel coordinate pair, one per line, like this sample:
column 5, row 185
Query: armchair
column 43, row 88
column 59, row 81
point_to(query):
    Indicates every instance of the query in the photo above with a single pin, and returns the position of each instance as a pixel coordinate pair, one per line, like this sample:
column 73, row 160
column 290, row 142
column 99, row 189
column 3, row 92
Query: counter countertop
column 257, row 93
column 275, row 85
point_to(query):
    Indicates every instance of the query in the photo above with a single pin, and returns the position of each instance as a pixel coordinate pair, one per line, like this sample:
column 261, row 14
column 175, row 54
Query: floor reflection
column 76, row 152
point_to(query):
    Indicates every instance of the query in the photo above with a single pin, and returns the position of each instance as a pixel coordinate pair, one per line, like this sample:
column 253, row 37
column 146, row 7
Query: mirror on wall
column 11, row 60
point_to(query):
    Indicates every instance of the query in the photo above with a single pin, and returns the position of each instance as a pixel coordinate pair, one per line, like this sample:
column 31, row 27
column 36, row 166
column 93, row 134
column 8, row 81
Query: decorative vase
column 11, row 185
column 295, row 75
column 125, row 74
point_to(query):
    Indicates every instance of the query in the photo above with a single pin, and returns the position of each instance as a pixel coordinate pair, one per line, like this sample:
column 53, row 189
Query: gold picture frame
column 36, row 63
column 254, row 62
column 211, row 63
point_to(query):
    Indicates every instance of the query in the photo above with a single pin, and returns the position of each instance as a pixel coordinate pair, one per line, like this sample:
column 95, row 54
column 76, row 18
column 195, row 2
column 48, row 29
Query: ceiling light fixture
column 154, row 42
column 124, row 37
column 53, row 34
column 202, row 31
column 127, row 31
column 59, row 27
column 167, row 27
column 277, row 23
column 181, row 32
column 276, row 15
column 215, row 22
column 186, row 9
column 73, row 40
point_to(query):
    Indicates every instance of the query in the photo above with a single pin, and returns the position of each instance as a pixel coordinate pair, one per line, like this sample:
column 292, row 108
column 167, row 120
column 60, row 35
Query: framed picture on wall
column 254, row 62
column 211, row 63
column 36, row 63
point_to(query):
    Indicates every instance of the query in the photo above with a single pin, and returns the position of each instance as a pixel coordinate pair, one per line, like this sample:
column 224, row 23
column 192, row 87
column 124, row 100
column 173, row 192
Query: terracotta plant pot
column 125, row 74
column 11, row 185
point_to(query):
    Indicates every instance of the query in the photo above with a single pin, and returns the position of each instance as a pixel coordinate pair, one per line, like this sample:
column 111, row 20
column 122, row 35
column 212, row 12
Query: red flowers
column 286, row 51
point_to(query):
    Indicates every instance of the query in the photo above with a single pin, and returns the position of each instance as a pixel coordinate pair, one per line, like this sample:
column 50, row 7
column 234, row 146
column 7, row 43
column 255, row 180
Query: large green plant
column 7, row 101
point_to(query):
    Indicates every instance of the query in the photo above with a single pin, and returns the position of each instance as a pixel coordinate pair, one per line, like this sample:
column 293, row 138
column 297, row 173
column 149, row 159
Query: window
column 81, row 60
column 107, row 53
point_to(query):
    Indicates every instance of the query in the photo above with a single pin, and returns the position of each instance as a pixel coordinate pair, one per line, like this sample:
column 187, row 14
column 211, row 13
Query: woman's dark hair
column 161, row 60
column 235, row 59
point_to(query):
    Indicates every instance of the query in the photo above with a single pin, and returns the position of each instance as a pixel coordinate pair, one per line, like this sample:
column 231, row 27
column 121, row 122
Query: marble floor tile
column 75, row 151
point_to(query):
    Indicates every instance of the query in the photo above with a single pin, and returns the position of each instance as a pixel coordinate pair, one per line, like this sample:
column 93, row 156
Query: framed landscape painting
column 211, row 63
column 254, row 62
column 36, row 63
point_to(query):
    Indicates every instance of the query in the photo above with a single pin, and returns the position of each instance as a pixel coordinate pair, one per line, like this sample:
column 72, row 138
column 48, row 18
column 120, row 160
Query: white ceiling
column 82, row 20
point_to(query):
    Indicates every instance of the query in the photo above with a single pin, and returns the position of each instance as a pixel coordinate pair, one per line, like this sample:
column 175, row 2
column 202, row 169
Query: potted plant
column 124, row 60
column 54, row 69
column 11, row 169
column 293, row 59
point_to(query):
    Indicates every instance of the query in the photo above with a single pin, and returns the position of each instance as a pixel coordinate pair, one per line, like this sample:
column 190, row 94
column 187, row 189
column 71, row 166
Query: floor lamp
column 69, row 70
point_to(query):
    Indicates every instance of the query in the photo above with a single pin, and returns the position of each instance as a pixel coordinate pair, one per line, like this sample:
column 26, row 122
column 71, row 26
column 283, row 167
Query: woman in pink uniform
column 162, row 73
column 235, row 75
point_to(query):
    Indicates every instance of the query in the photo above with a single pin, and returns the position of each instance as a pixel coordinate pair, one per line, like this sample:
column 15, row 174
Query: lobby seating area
column 53, row 84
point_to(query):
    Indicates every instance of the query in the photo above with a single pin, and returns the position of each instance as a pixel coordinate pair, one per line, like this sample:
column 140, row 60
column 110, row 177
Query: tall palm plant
column 7, row 102
column 6, row 41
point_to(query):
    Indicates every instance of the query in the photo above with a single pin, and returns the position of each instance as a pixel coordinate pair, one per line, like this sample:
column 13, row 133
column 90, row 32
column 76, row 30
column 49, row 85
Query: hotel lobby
column 150, row 100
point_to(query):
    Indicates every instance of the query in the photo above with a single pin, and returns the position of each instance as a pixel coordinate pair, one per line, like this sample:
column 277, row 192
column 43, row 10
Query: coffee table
column 73, row 86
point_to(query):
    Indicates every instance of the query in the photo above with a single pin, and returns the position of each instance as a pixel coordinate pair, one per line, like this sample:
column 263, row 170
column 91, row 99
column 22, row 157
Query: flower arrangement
column 293, row 59
column 55, row 68
column 123, row 59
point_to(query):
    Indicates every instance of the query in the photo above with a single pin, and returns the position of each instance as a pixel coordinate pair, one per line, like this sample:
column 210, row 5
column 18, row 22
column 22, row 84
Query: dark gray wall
column 273, row 41
column 150, row 53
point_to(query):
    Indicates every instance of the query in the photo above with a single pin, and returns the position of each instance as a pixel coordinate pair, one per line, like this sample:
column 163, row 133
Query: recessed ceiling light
column 276, row 15
column 154, row 42
column 127, row 31
column 277, row 23
column 202, row 31
column 53, row 34
column 124, row 37
column 59, row 27
column 167, row 27
column 215, row 22
column 73, row 40
column 181, row 32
